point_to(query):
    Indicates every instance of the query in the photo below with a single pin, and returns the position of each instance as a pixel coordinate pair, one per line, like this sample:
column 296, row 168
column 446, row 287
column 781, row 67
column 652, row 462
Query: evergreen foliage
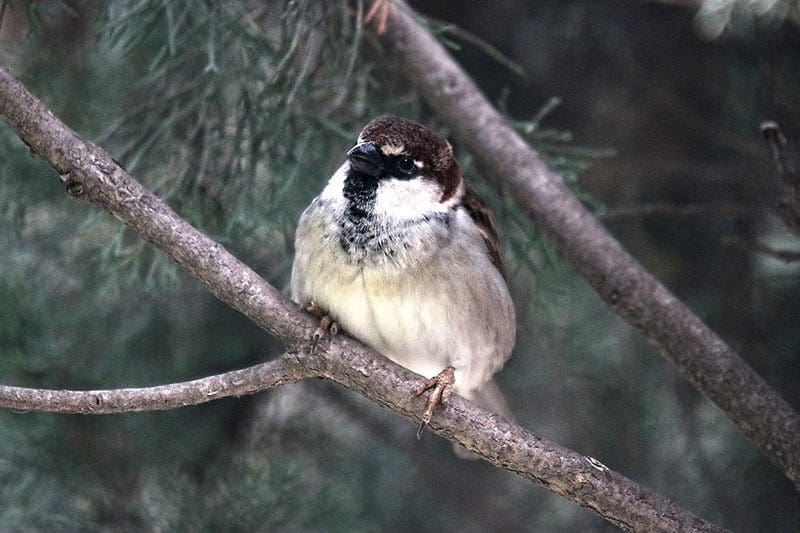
column 237, row 113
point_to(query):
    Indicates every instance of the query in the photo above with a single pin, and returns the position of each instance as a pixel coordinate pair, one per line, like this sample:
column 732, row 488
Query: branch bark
column 700, row 355
column 279, row 371
column 90, row 174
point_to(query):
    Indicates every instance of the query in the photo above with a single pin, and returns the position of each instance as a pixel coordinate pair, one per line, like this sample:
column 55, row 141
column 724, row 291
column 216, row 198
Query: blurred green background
column 238, row 112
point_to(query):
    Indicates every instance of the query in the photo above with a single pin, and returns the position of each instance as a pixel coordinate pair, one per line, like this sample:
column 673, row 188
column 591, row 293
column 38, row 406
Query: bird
column 402, row 254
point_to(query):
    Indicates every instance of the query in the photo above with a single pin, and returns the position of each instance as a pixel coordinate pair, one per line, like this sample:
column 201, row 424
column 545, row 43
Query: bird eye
column 406, row 165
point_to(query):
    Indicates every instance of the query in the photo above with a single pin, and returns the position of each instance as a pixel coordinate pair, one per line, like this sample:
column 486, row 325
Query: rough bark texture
column 703, row 358
column 284, row 369
column 88, row 173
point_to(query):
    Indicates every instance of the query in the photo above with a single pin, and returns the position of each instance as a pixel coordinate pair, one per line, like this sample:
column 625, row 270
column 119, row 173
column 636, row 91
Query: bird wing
column 480, row 213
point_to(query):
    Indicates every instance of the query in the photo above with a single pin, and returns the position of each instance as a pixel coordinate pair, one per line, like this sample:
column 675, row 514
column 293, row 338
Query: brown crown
column 420, row 143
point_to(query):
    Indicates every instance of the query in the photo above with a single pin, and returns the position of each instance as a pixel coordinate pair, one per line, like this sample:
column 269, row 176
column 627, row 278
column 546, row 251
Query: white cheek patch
column 408, row 199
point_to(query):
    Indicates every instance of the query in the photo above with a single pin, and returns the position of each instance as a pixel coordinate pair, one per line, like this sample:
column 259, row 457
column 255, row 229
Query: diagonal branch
column 703, row 358
column 91, row 174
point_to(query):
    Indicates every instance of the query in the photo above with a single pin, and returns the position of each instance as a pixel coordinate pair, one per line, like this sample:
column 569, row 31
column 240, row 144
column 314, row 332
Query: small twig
column 787, row 256
column 792, row 14
column 380, row 11
column 787, row 163
column 777, row 141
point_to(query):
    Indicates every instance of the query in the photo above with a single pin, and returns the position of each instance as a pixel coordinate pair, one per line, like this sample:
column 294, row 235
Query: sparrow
column 403, row 255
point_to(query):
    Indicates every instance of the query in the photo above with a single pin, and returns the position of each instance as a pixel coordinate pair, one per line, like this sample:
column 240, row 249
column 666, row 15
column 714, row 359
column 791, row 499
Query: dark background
column 237, row 113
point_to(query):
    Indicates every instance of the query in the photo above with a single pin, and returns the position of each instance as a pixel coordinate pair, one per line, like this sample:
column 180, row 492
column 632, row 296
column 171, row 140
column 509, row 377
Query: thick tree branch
column 90, row 174
column 634, row 294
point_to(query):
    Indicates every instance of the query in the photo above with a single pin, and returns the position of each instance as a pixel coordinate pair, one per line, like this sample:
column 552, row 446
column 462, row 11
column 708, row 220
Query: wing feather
column 480, row 213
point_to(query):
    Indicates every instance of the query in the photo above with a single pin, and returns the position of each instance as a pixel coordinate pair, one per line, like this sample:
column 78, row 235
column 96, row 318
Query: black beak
column 367, row 158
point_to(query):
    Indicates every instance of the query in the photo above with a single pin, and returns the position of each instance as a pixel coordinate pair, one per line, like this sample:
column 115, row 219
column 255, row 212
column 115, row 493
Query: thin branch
column 90, row 174
column 787, row 256
column 700, row 355
column 788, row 165
column 792, row 14
column 284, row 369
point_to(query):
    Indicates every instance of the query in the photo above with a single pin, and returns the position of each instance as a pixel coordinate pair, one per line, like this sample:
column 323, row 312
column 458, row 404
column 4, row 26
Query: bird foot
column 326, row 324
column 441, row 386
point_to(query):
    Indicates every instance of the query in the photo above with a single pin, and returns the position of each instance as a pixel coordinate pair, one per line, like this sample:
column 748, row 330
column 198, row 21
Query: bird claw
column 442, row 388
column 326, row 325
